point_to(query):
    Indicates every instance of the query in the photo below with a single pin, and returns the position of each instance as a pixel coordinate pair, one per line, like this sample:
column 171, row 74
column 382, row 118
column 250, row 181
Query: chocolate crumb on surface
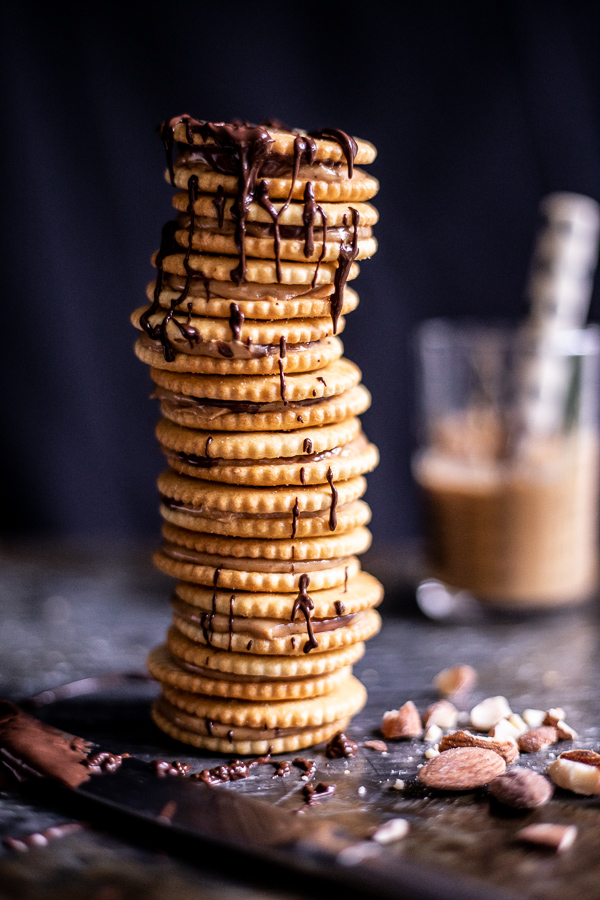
column 340, row 746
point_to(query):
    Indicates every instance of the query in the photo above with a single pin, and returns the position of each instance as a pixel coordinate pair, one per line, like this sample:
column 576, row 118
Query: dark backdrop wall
column 478, row 110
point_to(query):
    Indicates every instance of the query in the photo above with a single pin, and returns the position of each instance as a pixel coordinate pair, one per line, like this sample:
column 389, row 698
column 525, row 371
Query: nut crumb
column 443, row 714
column 487, row 713
column 433, row 734
column 393, row 830
column 379, row 746
column 402, row 723
column 537, row 739
column 398, row 785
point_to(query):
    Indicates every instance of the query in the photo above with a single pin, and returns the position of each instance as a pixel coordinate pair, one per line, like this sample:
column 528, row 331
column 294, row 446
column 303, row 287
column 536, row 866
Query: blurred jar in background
column 508, row 461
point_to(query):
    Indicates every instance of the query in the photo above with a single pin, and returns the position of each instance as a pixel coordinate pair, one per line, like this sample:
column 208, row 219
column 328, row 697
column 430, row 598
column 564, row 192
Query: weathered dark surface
column 68, row 615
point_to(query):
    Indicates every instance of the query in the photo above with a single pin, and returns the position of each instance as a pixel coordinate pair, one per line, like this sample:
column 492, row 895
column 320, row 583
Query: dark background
column 477, row 110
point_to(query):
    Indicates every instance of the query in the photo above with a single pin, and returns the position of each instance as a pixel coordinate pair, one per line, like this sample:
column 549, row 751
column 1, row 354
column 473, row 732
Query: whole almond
column 521, row 788
column 546, row 834
column 455, row 681
column 537, row 739
column 402, row 723
column 462, row 769
column 508, row 749
column 443, row 714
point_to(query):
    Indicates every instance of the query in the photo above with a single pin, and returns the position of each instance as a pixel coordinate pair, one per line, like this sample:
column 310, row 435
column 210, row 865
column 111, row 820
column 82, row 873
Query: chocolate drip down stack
column 261, row 501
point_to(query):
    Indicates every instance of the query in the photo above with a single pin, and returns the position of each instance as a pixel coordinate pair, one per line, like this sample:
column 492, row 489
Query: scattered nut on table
column 455, row 681
column 485, row 714
column 577, row 771
column 546, row 834
column 521, row 788
column 508, row 749
column 402, row 723
column 393, row 830
column 537, row 739
column 443, row 714
column 462, row 769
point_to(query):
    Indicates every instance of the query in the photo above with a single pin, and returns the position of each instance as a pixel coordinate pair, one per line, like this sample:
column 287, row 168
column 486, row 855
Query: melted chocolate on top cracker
column 245, row 150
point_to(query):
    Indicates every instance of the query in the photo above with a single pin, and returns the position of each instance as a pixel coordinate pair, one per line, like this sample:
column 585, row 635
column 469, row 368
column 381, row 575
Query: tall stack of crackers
column 261, row 500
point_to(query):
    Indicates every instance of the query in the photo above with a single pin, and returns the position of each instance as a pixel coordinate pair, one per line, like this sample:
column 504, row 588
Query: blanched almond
column 579, row 777
column 485, row 715
column 443, row 713
column 534, row 717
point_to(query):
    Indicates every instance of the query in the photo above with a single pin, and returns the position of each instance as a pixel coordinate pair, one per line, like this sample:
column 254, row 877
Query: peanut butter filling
column 241, row 679
column 261, row 629
column 222, row 349
column 228, row 290
column 245, row 564
column 211, row 728
column 349, row 450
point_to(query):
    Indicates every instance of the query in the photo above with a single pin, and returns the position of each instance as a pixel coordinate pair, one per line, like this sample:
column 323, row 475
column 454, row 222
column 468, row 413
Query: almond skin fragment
column 462, row 769
column 545, row 834
column 379, row 746
column 521, row 788
column 589, row 757
column 508, row 750
column 455, row 681
column 443, row 714
column 402, row 723
column 537, row 739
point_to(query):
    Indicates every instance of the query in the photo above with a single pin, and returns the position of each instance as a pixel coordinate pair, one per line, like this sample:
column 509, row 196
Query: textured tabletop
column 68, row 614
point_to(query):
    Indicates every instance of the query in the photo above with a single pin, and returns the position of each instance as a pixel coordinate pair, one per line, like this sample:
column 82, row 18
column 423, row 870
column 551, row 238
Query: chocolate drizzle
column 282, row 384
column 339, row 608
column 302, row 475
column 206, row 619
column 346, row 579
column 219, row 205
column 305, row 605
column 347, row 255
column 282, row 347
column 236, row 320
column 307, row 446
column 231, row 602
column 245, row 151
column 295, row 516
column 334, row 500
column 346, row 142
